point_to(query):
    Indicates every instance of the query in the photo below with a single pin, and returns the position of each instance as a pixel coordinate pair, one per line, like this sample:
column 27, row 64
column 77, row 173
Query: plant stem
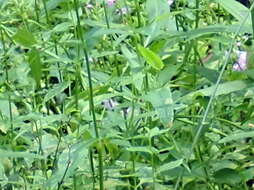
column 252, row 18
column 153, row 165
column 111, row 40
column 36, row 8
column 91, row 101
column 46, row 11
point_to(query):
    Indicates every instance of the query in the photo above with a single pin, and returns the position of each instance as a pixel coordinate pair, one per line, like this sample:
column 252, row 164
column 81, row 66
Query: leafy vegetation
column 126, row 95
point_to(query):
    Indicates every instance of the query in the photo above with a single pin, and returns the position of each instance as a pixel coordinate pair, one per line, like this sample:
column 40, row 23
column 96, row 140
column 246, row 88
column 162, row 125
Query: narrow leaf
column 56, row 90
column 142, row 149
column 5, row 153
column 170, row 166
column 35, row 65
column 224, row 88
column 151, row 58
column 237, row 136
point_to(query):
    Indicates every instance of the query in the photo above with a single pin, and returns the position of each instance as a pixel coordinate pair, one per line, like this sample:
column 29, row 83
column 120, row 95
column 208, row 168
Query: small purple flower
column 109, row 104
column 238, row 44
column 123, row 11
column 241, row 63
column 170, row 2
column 89, row 6
column 111, row 2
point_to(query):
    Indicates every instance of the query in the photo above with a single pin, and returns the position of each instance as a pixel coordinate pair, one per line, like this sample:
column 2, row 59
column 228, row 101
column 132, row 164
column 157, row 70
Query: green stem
column 111, row 40
column 36, row 8
column 153, row 165
column 197, row 14
column 92, row 166
column 138, row 13
column 201, row 126
column 91, row 101
column 46, row 11
column 9, row 96
column 252, row 18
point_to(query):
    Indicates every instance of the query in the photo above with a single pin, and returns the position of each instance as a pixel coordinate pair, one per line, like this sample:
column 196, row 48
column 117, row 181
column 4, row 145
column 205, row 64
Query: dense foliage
column 126, row 95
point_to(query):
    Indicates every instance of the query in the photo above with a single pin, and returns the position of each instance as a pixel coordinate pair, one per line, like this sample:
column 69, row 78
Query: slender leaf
column 56, row 90
column 170, row 165
column 151, row 58
column 237, row 136
column 35, row 65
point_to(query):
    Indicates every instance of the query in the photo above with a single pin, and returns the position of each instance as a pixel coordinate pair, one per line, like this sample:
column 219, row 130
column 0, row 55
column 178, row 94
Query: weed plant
column 126, row 95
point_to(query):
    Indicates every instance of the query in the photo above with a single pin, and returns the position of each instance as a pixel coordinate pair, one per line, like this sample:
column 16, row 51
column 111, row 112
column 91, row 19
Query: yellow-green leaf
column 151, row 58
column 24, row 38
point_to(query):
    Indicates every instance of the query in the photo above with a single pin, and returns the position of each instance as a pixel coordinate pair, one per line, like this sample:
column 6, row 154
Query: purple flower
column 89, row 6
column 109, row 104
column 241, row 63
column 170, row 2
column 111, row 2
column 123, row 11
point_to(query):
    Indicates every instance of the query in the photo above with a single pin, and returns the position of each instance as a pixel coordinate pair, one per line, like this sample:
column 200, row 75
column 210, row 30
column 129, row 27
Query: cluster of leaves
column 95, row 98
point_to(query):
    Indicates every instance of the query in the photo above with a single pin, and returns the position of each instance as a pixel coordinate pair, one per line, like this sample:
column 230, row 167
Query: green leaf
column 249, row 72
column 151, row 58
column 210, row 74
column 227, row 176
column 35, row 65
column 62, row 27
column 142, row 149
column 70, row 159
column 237, row 136
column 52, row 4
column 156, row 131
column 56, row 90
column 24, row 38
column 222, row 164
column 131, row 57
column 248, row 174
column 236, row 9
column 211, row 29
column 167, row 73
column 5, row 109
column 224, row 88
column 156, row 8
column 170, row 165
column 162, row 101
column 5, row 153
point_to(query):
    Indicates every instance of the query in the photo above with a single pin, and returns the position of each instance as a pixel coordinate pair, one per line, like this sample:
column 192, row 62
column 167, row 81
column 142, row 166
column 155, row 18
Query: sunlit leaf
column 151, row 58
column 24, row 38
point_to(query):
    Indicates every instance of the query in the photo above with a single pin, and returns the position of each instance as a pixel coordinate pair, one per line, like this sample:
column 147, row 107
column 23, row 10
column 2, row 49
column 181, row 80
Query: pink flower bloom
column 111, row 2
column 241, row 63
column 170, row 2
